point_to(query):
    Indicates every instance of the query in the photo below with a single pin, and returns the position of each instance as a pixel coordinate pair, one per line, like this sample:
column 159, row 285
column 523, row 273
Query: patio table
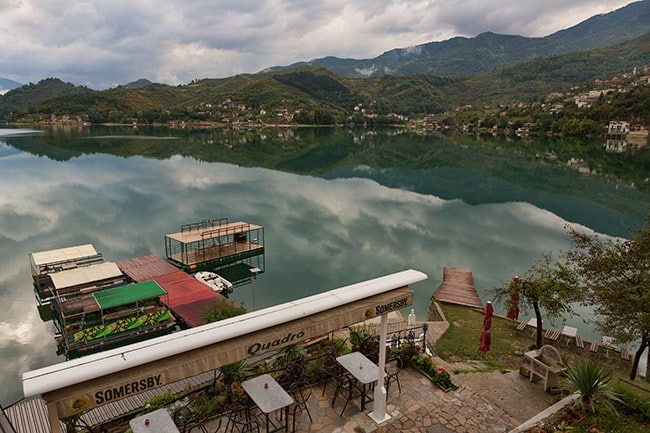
column 570, row 333
column 608, row 343
column 364, row 371
column 269, row 396
column 158, row 421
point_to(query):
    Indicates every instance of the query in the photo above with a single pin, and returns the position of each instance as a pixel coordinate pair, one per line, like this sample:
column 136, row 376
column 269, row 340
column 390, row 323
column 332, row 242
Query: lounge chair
column 522, row 325
column 552, row 334
column 625, row 355
column 579, row 343
column 532, row 322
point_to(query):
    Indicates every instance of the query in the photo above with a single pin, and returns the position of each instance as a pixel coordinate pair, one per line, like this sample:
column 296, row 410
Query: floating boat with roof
column 96, row 304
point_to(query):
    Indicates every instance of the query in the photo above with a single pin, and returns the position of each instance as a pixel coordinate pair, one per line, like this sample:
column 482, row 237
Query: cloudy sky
column 105, row 43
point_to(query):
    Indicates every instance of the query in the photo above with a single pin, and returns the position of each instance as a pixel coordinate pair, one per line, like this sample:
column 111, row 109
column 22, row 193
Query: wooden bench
column 545, row 363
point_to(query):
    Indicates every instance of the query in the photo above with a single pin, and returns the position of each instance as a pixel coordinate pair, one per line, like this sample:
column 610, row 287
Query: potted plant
column 424, row 365
column 443, row 380
column 438, row 375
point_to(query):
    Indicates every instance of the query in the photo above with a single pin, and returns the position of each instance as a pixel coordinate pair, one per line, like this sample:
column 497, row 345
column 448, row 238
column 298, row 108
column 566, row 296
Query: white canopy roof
column 62, row 254
column 85, row 275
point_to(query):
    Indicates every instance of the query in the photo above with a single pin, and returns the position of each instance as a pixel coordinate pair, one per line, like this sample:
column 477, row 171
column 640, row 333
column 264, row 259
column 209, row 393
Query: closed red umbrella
column 486, row 340
column 513, row 311
column 486, row 337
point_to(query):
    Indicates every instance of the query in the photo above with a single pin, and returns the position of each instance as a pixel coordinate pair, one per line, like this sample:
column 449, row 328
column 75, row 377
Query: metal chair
column 331, row 372
column 301, row 392
column 240, row 419
column 186, row 421
column 344, row 387
column 392, row 369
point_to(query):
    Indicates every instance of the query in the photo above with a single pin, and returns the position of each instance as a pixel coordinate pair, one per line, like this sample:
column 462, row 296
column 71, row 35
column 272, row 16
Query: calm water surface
column 338, row 207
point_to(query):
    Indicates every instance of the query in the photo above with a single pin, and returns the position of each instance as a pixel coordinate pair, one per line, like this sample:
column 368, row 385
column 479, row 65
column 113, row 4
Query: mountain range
column 7, row 85
column 463, row 57
column 487, row 69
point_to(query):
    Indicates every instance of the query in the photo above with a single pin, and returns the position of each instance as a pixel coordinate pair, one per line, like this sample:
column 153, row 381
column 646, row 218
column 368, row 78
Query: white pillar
column 378, row 413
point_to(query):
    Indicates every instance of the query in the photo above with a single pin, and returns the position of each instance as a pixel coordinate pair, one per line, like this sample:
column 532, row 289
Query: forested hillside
column 314, row 95
column 461, row 56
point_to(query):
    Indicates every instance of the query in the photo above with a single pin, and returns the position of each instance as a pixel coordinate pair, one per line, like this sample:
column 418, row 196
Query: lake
column 338, row 206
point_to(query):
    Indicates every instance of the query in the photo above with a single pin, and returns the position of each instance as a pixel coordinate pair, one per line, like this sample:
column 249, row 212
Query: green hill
column 461, row 56
column 315, row 95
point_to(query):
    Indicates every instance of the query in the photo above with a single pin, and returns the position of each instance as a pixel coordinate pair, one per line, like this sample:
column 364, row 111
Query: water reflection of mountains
column 475, row 171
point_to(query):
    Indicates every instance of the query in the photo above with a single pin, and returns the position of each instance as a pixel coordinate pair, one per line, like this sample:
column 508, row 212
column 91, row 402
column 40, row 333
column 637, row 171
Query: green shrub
column 425, row 364
column 162, row 400
column 221, row 310
column 592, row 383
column 633, row 402
column 405, row 352
column 204, row 405
column 443, row 379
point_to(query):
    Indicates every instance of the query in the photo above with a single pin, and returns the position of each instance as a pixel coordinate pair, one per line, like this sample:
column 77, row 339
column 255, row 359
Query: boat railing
column 202, row 225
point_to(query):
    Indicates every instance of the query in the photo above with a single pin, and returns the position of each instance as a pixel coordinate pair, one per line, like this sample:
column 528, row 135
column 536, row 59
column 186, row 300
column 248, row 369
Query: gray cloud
column 103, row 44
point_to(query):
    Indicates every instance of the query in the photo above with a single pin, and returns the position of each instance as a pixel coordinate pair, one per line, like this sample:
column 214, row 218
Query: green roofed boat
column 111, row 317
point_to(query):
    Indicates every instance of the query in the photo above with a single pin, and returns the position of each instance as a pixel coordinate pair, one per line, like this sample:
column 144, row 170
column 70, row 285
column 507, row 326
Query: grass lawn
column 460, row 343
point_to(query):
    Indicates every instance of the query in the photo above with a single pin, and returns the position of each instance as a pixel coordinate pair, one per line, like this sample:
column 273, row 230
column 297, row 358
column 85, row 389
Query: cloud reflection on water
column 319, row 234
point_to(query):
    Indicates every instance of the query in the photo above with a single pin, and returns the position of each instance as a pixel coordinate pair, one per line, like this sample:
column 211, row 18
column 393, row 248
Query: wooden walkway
column 145, row 268
column 458, row 288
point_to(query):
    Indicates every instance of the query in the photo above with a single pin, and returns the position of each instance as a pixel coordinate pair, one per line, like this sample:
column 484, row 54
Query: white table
column 570, row 333
column 269, row 396
column 364, row 371
column 608, row 343
column 158, row 421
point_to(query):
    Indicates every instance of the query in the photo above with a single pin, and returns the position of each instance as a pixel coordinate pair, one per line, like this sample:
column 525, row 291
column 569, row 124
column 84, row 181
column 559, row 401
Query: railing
column 202, row 225
column 399, row 332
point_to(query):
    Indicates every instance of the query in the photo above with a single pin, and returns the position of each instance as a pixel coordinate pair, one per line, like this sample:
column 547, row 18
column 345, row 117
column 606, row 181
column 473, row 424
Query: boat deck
column 186, row 296
column 216, row 252
column 145, row 268
column 205, row 245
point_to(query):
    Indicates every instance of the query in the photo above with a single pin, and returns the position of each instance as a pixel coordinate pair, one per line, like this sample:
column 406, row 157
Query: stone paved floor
column 484, row 402
column 420, row 408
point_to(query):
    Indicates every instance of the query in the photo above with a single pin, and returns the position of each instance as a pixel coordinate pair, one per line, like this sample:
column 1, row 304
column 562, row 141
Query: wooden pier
column 458, row 288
